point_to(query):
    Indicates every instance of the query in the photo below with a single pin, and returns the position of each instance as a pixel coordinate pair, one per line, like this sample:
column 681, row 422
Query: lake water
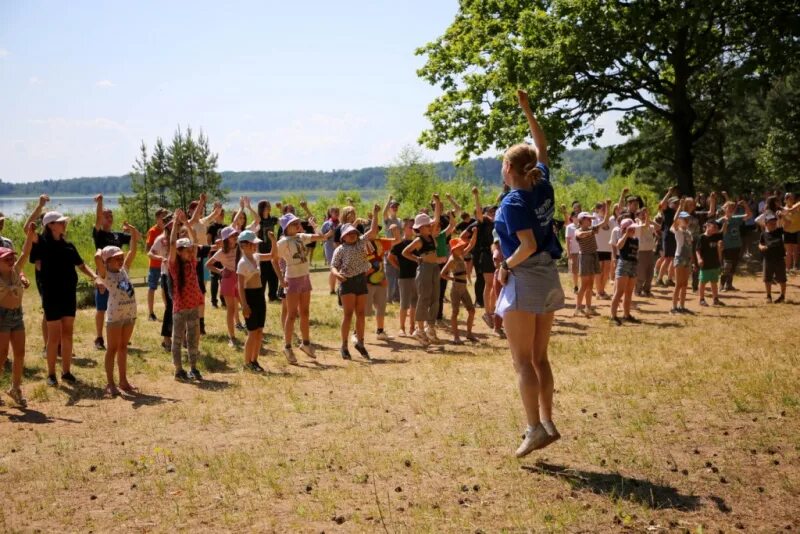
column 21, row 206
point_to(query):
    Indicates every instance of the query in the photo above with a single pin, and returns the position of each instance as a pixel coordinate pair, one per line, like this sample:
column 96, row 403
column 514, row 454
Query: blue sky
column 275, row 85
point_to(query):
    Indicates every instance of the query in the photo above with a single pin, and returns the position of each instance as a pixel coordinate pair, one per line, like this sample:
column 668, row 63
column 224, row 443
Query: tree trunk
column 684, row 158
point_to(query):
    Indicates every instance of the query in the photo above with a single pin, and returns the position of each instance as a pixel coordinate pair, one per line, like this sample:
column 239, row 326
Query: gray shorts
column 588, row 264
column 408, row 293
column 121, row 323
column 537, row 287
column 11, row 320
column 460, row 296
column 376, row 301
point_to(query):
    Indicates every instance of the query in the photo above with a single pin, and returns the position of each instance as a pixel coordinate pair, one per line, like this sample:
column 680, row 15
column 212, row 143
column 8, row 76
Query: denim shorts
column 153, row 277
column 11, row 320
column 101, row 300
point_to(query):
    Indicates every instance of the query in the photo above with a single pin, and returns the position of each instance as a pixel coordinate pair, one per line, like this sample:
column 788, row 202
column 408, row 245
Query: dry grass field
column 687, row 423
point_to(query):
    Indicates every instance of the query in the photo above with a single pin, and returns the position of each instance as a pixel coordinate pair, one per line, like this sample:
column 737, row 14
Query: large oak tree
column 669, row 62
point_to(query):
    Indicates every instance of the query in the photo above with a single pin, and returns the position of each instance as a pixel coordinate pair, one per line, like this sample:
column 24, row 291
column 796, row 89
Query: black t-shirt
column 58, row 259
column 266, row 225
column 483, row 242
column 463, row 225
column 408, row 268
column 666, row 224
column 109, row 239
column 213, row 231
column 707, row 245
column 774, row 242
column 630, row 250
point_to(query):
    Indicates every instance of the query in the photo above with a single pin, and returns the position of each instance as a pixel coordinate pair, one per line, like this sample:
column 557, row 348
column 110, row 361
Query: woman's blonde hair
column 522, row 160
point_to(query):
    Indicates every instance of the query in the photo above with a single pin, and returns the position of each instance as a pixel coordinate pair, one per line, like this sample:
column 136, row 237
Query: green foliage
column 412, row 180
column 171, row 178
column 669, row 62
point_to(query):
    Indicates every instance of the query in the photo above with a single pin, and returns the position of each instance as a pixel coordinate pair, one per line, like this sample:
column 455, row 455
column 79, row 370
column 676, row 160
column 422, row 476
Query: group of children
column 697, row 245
column 412, row 262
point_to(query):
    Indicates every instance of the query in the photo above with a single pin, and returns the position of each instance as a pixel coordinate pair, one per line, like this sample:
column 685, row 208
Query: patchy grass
column 681, row 424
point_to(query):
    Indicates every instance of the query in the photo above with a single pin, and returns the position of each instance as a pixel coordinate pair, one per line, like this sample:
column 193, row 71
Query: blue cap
column 684, row 215
column 248, row 236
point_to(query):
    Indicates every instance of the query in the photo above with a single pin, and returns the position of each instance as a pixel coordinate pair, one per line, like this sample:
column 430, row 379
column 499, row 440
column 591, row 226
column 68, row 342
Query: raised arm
column 135, row 237
column 98, row 213
column 478, row 208
column 454, row 203
column 373, row 227
column 437, row 209
column 472, row 241
column 180, row 217
column 386, row 208
column 254, row 213
column 304, row 207
column 662, row 205
column 622, row 198
column 712, row 204
column 452, row 226
column 30, row 237
column 199, row 210
column 539, row 139
column 37, row 211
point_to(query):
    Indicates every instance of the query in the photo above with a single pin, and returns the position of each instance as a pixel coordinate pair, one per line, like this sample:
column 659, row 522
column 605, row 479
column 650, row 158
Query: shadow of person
column 35, row 417
column 139, row 399
column 614, row 485
column 81, row 390
column 212, row 385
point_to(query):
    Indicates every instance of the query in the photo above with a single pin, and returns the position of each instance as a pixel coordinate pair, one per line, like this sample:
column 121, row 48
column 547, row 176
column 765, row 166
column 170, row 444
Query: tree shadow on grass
column 616, row 486
column 35, row 417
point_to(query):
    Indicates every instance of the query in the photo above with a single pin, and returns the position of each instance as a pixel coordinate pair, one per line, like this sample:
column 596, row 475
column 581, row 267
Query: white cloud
column 4, row 52
column 34, row 80
column 104, row 84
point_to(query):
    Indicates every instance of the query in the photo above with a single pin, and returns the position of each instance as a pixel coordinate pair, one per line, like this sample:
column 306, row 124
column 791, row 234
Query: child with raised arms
column 455, row 270
column 251, row 293
column 112, row 266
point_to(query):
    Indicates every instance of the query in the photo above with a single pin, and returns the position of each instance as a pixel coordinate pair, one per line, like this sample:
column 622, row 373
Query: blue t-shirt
column 529, row 210
column 732, row 238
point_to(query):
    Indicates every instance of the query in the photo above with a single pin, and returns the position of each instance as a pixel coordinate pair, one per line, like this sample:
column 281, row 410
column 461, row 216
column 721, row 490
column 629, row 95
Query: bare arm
column 478, row 208
column 445, row 274
column 539, row 139
column 30, row 236
column 408, row 252
column 37, row 211
column 135, row 237
column 98, row 213
column 199, row 210
column 373, row 227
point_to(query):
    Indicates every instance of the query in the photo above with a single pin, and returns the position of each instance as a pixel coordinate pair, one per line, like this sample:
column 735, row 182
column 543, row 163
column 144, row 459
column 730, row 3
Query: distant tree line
column 579, row 162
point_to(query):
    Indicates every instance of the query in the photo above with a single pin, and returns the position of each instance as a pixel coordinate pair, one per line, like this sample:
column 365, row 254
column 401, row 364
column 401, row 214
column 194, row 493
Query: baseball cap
column 584, row 215
column 286, row 220
column 110, row 251
column 673, row 200
column 183, row 242
column 248, row 236
column 53, row 216
column 624, row 225
column 684, row 215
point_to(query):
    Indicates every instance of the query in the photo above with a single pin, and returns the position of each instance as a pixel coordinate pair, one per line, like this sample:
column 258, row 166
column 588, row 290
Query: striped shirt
column 588, row 243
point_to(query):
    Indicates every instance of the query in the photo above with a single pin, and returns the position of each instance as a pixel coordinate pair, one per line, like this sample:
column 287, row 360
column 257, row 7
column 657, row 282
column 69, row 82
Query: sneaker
column 167, row 346
column 648, row 294
column 354, row 338
column 152, row 317
column 632, row 319
column 402, row 333
column 660, row 283
column 362, row 350
column 536, row 439
column 68, row 377
column 99, row 344
column 194, row 374
column 383, row 336
column 232, row 342
column 769, row 299
column 686, row 310
column 345, row 353
column 51, row 380
column 617, row 321
column 593, row 310
column 718, row 302
column 16, row 396
column 488, row 320
column 420, row 336
column 731, row 288
column 289, row 353
column 308, row 349
column 471, row 337
column 181, row 376
column 257, row 367
column 674, row 311
column 431, row 335
column 780, row 299
column 703, row 302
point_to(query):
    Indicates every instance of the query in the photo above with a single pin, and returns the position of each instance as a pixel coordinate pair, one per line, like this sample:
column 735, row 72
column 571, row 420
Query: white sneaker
column 420, row 336
column 383, row 336
column 431, row 334
column 290, row 357
column 308, row 349
column 536, row 439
